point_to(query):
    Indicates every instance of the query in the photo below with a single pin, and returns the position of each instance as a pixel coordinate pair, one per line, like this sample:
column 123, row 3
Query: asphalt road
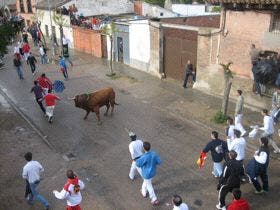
column 100, row 152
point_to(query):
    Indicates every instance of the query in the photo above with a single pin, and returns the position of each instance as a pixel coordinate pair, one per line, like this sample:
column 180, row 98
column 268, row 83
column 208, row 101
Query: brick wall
column 199, row 21
column 88, row 41
column 235, row 46
column 138, row 7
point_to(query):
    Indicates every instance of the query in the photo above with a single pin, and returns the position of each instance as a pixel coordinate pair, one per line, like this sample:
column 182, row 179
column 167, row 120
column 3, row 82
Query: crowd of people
column 228, row 156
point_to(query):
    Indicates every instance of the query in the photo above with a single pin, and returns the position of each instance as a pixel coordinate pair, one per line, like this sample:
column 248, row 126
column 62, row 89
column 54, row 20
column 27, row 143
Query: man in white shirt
column 43, row 55
column 238, row 144
column 268, row 129
column 31, row 172
column 230, row 128
column 71, row 191
column 178, row 203
column 136, row 150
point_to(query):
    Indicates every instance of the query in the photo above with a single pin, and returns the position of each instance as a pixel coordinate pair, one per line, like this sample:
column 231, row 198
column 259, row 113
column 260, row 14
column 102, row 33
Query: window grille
column 275, row 23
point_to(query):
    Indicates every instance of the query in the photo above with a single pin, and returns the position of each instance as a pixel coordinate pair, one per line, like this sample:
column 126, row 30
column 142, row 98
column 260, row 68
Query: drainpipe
column 161, row 45
column 222, row 28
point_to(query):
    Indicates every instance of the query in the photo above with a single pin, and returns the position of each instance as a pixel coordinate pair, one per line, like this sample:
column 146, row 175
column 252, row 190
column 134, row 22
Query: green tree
column 8, row 31
column 60, row 21
column 110, row 30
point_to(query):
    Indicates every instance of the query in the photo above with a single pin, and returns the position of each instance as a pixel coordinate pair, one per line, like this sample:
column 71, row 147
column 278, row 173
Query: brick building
column 26, row 9
column 246, row 22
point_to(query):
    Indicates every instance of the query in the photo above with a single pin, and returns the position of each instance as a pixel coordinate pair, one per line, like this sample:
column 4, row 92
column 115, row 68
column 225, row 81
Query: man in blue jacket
column 218, row 150
column 148, row 163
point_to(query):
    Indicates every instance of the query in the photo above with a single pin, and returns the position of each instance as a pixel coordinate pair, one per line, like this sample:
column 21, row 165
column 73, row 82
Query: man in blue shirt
column 63, row 67
column 148, row 163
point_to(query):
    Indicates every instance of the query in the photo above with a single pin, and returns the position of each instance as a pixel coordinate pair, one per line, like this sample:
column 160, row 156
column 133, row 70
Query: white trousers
column 49, row 111
column 148, row 187
column 133, row 170
column 238, row 123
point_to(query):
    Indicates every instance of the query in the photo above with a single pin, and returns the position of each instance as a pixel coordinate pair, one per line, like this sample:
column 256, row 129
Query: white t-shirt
column 31, row 171
column 183, row 206
column 136, row 149
column 239, row 146
column 268, row 126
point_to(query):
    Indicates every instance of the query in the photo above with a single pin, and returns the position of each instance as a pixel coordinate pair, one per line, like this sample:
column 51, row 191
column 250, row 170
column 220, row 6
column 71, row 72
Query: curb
column 27, row 119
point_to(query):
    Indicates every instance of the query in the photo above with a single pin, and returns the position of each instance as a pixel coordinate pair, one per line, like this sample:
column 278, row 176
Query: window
column 29, row 7
column 275, row 23
column 21, row 6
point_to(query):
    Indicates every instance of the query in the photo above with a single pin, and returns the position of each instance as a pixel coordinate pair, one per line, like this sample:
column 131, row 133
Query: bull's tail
column 116, row 103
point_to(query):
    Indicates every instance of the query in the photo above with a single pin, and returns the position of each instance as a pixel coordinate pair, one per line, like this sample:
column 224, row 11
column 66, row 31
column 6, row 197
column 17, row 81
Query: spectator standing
column 136, row 151
column 254, row 53
column 230, row 179
column 275, row 111
column 178, row 203
column 148, row 163
column 31, row 60
column 268, row 129
column 257, row 167
column 71, row 191
column 38, row 92
column 18, row 65
column 31, row 173
column 189, row 71
column 238, row 203
column 65, row 52
column 239, row 112
column 50, row 100
column 218, row 150
column 25, row 36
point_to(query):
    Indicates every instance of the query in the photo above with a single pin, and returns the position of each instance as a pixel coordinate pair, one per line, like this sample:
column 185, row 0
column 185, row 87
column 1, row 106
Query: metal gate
column 179, row 47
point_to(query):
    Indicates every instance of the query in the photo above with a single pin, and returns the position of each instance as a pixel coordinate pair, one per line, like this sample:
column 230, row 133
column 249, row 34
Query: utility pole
column 52, row 40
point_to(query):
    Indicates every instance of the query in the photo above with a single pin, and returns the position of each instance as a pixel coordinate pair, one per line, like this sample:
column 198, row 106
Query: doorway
column 120, row 48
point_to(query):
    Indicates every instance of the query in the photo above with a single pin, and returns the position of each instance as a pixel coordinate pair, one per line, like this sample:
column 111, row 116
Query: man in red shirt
column 45, row 83
column 238, row 203
column 25, row 49
column 50, row 100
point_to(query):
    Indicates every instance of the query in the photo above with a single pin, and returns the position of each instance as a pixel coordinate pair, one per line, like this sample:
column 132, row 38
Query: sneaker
column 259, row 192
column 51, row 119
column 155, row 203
column 218, row 206
column 47, row 207
column 243, row 133
column 214, row 174
column 276, row 151
column 144, row 196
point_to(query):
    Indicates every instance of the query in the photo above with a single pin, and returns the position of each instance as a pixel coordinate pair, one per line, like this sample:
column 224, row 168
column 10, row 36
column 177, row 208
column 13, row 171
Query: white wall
column 156, row 11
column 190, row 9
column 139, row 42
column 67, row 30
column 102, row 7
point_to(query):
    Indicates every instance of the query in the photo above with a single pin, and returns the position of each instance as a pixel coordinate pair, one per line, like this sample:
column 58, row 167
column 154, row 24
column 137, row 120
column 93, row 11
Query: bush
column 220, row 118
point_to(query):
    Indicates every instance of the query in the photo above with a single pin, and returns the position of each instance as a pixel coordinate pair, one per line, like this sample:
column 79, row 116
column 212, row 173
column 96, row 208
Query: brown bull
column 93, row 101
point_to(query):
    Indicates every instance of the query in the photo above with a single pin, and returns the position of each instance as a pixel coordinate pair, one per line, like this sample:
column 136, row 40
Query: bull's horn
column 71, row 98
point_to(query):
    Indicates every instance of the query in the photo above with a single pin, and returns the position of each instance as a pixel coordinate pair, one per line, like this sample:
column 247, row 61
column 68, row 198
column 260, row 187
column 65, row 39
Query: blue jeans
column 36, row 195
column 19, row 71
column 44, row 59
column 217, row 169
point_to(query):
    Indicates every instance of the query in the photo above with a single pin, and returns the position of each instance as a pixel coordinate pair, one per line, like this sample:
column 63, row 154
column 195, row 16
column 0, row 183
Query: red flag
column 201, row 160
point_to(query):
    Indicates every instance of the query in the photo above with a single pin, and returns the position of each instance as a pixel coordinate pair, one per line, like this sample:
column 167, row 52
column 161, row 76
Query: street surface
column 100, row 153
